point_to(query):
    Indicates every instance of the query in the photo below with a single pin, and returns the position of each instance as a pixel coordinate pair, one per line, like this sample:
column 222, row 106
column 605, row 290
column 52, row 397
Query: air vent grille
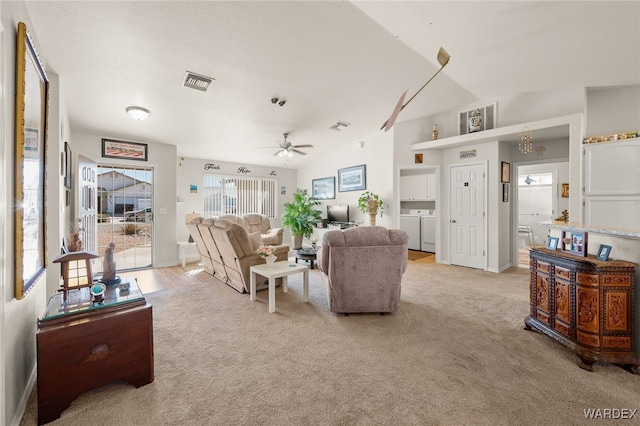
column 197, row 81
column 339, row 125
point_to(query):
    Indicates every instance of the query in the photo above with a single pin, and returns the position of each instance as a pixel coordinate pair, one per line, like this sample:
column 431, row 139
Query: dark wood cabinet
column 585, row 304
column 82, row 346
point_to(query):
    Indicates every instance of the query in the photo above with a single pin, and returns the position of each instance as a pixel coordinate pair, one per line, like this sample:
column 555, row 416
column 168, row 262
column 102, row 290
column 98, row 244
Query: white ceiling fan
column 287, row 149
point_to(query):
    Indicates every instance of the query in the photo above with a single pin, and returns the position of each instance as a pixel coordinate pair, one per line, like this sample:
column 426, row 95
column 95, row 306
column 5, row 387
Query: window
column 231, row 195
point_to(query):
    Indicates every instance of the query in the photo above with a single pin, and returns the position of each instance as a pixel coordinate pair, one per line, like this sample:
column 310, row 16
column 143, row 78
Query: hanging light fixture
column 138, row 113
column 525, row 145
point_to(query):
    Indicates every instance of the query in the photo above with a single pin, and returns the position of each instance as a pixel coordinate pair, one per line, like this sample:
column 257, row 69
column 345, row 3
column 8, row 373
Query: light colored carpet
column 455, row 353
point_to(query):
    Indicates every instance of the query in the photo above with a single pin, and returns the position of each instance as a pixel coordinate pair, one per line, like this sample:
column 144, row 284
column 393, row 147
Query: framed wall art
column 68, row 182
column 323, row 188
column 124, row 150
column 352, row 178
column 505, row 192
column 505, row 176
column 32, row 98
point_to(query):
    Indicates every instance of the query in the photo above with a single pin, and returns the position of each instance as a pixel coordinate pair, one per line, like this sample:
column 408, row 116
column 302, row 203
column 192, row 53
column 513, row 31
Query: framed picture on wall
column 505, row 177
column 124, row 150
column 324, row 188
column 352, row 178
column 505, row 192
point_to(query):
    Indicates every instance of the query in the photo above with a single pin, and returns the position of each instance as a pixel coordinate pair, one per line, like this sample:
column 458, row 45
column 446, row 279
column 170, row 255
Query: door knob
column 453, row 221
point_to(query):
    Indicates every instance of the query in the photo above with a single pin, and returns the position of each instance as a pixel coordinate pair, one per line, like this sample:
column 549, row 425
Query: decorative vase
column 475, row 121
column 434, row 134
column 271, row 259
column 372, row 217
column 75, row 243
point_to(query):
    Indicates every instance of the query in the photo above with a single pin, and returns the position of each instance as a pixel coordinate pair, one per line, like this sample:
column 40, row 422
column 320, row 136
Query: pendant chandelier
column 525, row 145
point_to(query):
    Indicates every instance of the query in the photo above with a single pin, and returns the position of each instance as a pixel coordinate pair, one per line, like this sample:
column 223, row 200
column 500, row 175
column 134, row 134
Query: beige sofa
column 228, row 252
column 362, row 268
column 258, row 225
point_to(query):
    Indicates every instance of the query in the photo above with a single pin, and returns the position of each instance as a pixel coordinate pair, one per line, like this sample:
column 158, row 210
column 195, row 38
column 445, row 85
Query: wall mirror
column 32, row 96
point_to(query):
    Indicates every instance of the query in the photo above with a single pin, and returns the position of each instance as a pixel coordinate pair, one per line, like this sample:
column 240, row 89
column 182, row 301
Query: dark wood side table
column 308, row 254
column 84, row 345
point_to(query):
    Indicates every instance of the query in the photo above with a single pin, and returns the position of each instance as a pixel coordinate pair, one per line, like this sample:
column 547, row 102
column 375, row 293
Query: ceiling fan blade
column 299, row 152
column 303, row 146
column 389, row 123
column 443, row 60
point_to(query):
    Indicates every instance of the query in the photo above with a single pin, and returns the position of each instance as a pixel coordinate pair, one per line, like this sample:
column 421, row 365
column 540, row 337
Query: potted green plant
column 301, row 216
column 372, row 204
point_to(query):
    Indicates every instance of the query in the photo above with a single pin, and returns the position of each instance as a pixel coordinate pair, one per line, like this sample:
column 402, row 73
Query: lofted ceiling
column 329, row 60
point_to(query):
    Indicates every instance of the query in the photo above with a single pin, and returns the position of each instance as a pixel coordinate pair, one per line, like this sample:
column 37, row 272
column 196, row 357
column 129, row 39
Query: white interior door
column 467, row 215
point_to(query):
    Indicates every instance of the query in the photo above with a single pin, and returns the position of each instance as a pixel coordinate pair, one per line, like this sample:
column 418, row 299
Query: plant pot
column 75, row 243
column 296, row 241
column 372, row 219
column 271, row 259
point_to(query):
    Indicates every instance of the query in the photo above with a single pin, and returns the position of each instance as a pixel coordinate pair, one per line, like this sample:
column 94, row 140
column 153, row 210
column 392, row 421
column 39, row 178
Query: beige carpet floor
column 455, row 353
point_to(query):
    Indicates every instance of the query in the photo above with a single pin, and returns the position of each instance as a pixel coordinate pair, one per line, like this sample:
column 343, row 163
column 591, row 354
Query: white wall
column 18, row 316
column 377, row 154
column 162, row 158
column 191, row 172
column 613, row 110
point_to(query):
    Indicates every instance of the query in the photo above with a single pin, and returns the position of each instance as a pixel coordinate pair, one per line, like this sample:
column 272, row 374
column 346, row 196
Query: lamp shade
column 138, row 113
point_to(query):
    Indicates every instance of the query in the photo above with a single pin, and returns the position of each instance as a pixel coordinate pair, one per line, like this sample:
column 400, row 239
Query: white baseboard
column 24, row 400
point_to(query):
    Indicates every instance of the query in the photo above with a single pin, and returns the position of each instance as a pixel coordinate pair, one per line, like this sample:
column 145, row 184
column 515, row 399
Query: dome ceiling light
column 138, row 113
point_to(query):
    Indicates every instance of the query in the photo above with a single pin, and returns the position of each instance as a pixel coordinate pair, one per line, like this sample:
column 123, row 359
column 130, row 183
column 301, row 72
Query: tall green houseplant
column 301, row 216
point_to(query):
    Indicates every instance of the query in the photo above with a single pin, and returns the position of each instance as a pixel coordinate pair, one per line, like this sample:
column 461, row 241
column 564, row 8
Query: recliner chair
column 362, row 268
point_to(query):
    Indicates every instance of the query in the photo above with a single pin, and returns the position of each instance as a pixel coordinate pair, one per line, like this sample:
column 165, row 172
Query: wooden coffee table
column 308, row 254
column 275, row 270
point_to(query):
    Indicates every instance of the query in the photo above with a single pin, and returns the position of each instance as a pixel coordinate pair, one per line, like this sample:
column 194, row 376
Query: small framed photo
column 124, row 150
column 552, row 243
column 505, row 177
column 505, row 192
column 418, row 158
column 603, row 252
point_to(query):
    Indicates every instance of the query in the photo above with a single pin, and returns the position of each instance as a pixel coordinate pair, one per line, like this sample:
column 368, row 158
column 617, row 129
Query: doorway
column 538, row 200
column 125, row 215
column 467, row 215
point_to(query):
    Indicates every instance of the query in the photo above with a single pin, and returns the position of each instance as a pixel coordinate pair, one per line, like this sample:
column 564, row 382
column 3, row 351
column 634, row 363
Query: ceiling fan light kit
column 287, row 149
column 138, row 113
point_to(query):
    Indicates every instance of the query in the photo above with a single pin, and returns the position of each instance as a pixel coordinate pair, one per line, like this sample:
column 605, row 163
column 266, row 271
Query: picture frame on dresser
column 575, row 242
column 552, row 243
column 603, row 252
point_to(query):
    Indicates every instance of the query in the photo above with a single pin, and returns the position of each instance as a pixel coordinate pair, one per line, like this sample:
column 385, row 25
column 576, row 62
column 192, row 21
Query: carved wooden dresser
column 585, row 304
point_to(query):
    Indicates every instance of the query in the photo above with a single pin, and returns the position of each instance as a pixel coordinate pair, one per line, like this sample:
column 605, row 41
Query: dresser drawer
column 617, row 280
column 563, row 273
column 588, row 279
column 542, row 266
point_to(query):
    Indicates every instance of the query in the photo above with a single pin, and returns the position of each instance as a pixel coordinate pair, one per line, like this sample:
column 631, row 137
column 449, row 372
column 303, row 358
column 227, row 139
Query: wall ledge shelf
column 575, row 226
column 498, row 134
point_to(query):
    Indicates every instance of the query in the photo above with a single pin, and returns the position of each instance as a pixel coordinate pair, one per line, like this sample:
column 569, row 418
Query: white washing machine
column 428, row 231
column 411, row 224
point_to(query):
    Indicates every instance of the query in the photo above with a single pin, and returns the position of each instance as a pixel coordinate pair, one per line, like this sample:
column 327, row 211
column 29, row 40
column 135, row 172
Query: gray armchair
column 362, row 268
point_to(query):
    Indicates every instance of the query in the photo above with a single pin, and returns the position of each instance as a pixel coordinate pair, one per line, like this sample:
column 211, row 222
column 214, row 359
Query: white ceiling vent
column 197, row 81
column 339, row 125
